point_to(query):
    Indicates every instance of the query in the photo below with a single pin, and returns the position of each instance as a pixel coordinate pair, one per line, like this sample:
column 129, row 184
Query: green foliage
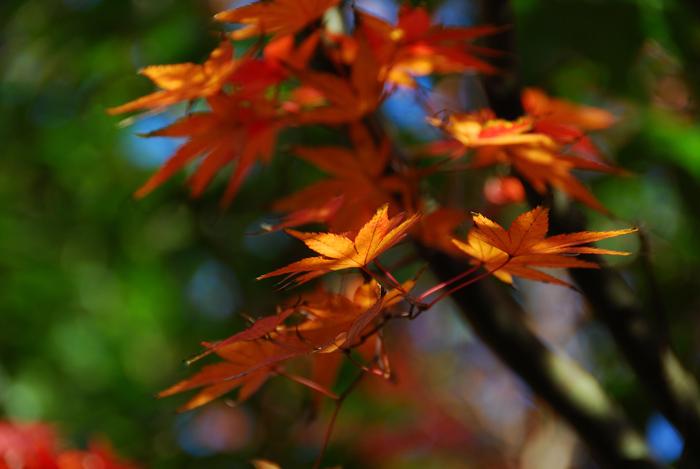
column 96, row 289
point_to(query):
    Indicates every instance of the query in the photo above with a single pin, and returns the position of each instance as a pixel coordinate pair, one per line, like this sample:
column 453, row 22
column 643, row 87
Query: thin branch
column 383, row 280
column 364, row 368
column 442, row 285
column 469, row 282
column 338, row 404
column 390, row 277
column 310, row 384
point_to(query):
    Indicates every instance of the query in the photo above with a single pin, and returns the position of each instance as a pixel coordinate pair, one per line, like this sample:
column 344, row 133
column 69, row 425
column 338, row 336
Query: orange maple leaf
column 278, row 17
column 436, row 229
column 542, row 165
column 187, row 81
column 336, row 322
column 260, row 328
column 329, row 318
column 359, row 175
column 233, row 130
column 255, row 76
column 415, row 48
column 331, row 323
column 248, row 365
column 352, row 97
column 566, row 122
column 514, row 252
column 535, row 156
column 340, row 252
column 318, row 214
column 563, row 112
column 482, row 128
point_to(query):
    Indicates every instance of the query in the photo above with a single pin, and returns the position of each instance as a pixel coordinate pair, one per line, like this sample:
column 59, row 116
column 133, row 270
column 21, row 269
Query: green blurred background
column 101, row 296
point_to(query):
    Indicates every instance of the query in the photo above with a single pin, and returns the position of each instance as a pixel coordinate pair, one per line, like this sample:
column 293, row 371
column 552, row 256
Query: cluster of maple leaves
column 302, row 73
column 36, row 446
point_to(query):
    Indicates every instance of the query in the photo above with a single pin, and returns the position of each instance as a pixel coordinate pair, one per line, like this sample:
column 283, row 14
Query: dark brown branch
column 672, row 388
column 500, row 87
column 570, row 390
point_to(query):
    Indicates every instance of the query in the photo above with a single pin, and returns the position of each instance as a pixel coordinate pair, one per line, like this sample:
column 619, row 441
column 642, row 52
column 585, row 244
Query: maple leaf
column 255, row 76
column 563, row 112
column 330, row 319
column 260, row 328
column 536, row 157
column 335, row 322
column 359, row 175
column 351, row 97
column 482, row 128
column 566, row 122
column 436, row 228
column 248, row 365
column 319, row 214
column 514, row 252
column 186, row 81
column 415, row 48
column 233, row 130
column 278, row 17
column 253, row 355
column 35, row 446
column 543, row 166
column 340, row 252
column 29, row 446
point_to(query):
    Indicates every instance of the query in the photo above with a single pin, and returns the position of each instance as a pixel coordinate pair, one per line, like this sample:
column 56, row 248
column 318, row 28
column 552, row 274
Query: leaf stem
column 444, row 284
column 327, row 436
column 390, row 277
column 364, row 368
column 469, row 282
column 380, row 279
column 311, row 384
column 338, row 404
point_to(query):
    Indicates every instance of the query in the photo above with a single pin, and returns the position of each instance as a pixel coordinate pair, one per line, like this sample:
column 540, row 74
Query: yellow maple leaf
column 515, row 251
column 186, row 81
column 340, row 252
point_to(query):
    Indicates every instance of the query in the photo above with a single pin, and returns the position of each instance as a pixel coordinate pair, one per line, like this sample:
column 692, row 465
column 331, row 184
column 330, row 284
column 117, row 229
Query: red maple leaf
column 351, row 97
column 234, row 130
column 359, row 175
column 277, row 17
column 414, row 47
column 247, row 365
column 566, row 122
column 537, row 157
